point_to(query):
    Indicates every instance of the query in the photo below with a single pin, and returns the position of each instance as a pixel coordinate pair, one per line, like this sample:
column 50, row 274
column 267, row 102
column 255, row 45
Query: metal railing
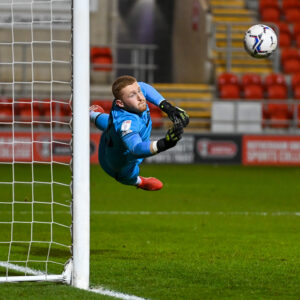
column 232, row 52
column 136, row 59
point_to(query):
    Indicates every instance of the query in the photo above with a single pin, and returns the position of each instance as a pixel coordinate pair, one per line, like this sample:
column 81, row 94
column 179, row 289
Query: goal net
column 38, row 184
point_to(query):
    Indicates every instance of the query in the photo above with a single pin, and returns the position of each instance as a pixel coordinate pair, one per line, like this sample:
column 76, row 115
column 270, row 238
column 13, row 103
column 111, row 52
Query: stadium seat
column 295, row 80
column 277, row 92
column 275, row 79
column 227, row 78
column 229, row 91
column 251, row 79
column 290, row 4
column 252, row 86
column 156, row 115
column 279, row 115
column 103, row 56
column 105, row 104
column 270, row 14
column 292, row 15
column 296, row 34
column 290, row 60
column 253, row 92
column 267, row 4
column 285, row 35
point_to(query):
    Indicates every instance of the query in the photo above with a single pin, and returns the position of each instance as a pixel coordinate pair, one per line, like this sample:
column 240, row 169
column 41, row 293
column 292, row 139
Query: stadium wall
column 192, row 149
column 190, row 40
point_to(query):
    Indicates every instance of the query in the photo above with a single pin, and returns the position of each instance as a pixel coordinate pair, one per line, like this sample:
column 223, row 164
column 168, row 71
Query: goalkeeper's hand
column 175, row 114
column 173, row 135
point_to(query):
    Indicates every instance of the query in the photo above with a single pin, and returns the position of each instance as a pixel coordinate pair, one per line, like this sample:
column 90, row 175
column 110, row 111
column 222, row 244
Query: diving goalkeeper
column 125, row 141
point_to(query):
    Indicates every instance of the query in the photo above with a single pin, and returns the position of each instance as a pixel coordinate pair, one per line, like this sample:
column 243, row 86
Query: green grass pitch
column 212, row 232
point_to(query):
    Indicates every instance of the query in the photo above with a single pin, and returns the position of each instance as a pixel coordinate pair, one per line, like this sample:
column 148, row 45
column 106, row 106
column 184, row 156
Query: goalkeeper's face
column 133, row 99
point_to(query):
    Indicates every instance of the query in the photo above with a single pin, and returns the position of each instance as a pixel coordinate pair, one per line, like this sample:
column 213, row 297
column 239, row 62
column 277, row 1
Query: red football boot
column 150, row 184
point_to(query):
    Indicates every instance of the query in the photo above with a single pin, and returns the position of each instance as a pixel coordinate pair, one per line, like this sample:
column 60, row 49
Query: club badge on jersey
column 125, row 128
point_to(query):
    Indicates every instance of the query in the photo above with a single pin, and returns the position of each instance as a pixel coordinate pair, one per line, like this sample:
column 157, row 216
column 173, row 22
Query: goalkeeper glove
column 173, row 135
column 175, row 114
column 95, row 112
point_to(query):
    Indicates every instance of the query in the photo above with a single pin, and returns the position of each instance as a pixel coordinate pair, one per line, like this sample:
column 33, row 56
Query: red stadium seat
column 290, row 4
column 296, row 92
column 268, row 3
column 103, row 56
column 227, row 78
column 290, row 60
column 296, row 28
column 270, row 14
column 279, row 115
column 292, row 15
column 277, row 92
column 289, row 53
column 295, row 80
column 251, row 79
column 291, row 66
column 253, row 92
column 156, row 115
column 229, row 91
column 105, row 104
column 275, row 79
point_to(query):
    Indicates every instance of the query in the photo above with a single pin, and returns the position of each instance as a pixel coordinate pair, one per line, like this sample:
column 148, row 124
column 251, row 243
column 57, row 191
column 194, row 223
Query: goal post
column 81, row 144
column 44, row 141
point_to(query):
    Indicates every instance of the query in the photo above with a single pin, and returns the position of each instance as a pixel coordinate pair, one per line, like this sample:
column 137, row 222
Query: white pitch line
column 20, row 268
column 191, row 213
column 114, row 294
column 98, row 290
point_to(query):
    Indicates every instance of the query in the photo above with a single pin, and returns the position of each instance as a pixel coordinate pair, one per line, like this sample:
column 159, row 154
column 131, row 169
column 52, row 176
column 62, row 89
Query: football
column 260, row 41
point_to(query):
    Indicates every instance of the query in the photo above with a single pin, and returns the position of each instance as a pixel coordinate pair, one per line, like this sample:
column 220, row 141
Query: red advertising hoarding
column 37, row 146
column 271, row 150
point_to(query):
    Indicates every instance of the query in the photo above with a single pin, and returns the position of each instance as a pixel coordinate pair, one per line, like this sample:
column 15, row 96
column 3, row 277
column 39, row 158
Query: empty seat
column 251, row 79
column 227, row 78
column 292, row 15
column 277, row 92
column 275, row 79
column 252, row 86
column 268, row 3
column 253, row 92
column 270, row 14
column 229, row 91
column 290, row 60
column 290, row 4
column 295, row 80
column 103, row 57
column 105, row 104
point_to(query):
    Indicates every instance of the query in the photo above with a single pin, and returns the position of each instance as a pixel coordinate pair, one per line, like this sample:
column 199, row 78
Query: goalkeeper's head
column 128, row 94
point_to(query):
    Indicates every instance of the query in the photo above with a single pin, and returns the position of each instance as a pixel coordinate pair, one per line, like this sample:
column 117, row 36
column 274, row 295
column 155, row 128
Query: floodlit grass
column 213, row 232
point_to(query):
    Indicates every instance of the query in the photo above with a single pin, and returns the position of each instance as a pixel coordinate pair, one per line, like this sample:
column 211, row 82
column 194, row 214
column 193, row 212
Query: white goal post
column 44, row 141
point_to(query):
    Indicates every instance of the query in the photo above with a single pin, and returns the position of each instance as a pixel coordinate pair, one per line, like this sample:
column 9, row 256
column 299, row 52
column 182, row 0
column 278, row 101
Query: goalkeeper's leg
column 129, row 175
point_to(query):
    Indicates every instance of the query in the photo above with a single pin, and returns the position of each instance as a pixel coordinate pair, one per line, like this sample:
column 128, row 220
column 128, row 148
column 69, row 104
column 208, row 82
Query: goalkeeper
column 125, row 141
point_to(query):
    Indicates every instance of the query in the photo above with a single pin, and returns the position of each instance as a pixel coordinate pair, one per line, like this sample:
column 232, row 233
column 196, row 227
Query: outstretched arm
column 175, row 114
column 99, row 117
column 138, row 148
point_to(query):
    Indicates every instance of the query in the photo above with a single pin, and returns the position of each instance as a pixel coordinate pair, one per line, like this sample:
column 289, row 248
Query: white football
column 260, row 41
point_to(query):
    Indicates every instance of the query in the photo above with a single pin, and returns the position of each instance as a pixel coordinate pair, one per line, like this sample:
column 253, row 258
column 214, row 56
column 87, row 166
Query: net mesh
column 35, row 139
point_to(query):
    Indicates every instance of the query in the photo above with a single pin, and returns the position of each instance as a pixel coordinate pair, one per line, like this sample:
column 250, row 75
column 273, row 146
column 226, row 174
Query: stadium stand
column 101, row 56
